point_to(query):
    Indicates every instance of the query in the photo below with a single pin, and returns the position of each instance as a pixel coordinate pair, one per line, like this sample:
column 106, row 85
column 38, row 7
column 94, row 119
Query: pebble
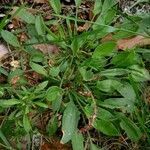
column 3, row 50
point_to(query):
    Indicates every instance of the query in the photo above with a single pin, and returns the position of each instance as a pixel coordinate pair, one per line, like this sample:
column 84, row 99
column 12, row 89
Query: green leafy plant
column 88, row 82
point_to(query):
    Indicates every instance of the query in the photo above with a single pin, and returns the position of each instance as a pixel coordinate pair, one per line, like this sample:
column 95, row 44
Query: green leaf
column 105, row 49
column 56, row 5
column 4, row 139
column 131, row 26
column 125, row 59
column 106, row 127
column 39, row 25
column 54, row 71
column 41, row 86
column 2, row 92
column 113, row 103
column 69, row 122
column 26, row 16
column 97, row 7
column 86, row 74
column 54, row 93
column 94, row 147
column 3, row 71
column 104, row 114
column 38, row 68
column 52, row 126
column 41, row 104
column 114, row 72
column 56, row 104
column 26, row 123
column 101, row 113
column 139, row 74
column 127, row 91
column 78, row 2
column 75, row 46
column 9, row 103
column 77, row 141
column 131, row 129
column 10, row 38
column 108, row 85
column 107, row 5
column 105, row 19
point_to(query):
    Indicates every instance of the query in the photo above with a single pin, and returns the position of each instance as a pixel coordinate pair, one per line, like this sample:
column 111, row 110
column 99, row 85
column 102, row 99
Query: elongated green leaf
column 75, row 46
column 3, row 71
column 54, row 93
column 39, row 25
column 77, row 141
column 113, row 103
column 97, row 7
column 1, row 92
column 127, row 26
column 9, row 103
column 52, row 126
column 56, row 5
column 139, row 74
column 125, row 59
column 41, row 86
column 106, row 127
column 3, row 138
column 105, row 19
column 101, row 113
column 94, row 147
column 108, row 85
column 127, row 91
column 57, row 103
column 124, row 104
column 104, row 114
column 108, row 4
column 26, row 123
column 10, row 38
column 104, row 49
column 69, row 122
column 41, row 104
column 114, row 72
column 26, row 16
column 130, row 128
column 38, row 68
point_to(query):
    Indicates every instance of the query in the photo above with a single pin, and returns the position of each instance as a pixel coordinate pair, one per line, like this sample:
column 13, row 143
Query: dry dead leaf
column 3, row 50
column 85, row 27
column 40, row 1
column 55, row 145
column 128, row 43
column 47, row 48
column 22, row 37
column 15, row 80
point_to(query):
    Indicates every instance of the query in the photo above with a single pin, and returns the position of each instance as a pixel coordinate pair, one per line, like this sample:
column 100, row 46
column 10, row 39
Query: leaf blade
column 69, row 122
column 10, row 38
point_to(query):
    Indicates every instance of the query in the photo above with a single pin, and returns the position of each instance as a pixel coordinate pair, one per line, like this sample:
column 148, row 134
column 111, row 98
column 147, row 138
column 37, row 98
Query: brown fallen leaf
column 47, row 48
column 40, row 1
column 3, row 50
column 55, row 145
column 22, row 37
column 85, row 27
column 128, row 43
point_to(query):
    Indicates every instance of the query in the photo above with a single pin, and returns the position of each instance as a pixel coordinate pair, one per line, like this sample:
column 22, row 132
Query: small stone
column 3, row 50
